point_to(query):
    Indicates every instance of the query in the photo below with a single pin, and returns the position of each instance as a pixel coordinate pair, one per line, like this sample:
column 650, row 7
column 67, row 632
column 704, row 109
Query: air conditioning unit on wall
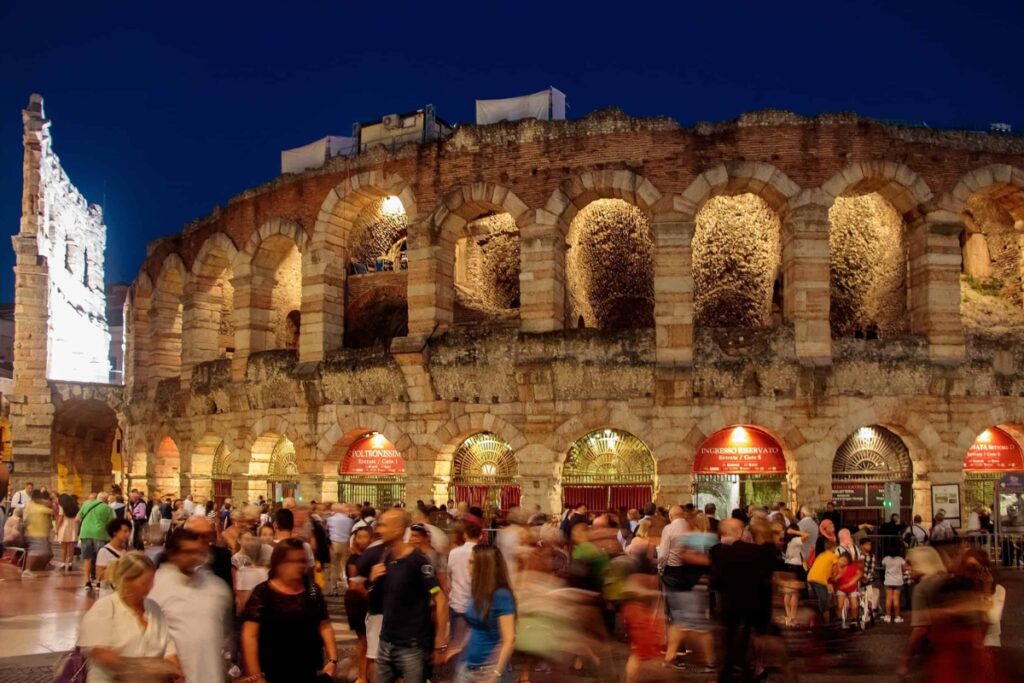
column 392, row 121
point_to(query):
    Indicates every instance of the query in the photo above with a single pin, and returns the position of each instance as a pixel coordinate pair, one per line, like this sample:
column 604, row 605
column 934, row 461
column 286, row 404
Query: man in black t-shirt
column 370, row 557
column 408, row 586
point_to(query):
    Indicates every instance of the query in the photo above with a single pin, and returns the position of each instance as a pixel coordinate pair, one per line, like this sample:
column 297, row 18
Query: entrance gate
column 863, row 464
column 608, row 469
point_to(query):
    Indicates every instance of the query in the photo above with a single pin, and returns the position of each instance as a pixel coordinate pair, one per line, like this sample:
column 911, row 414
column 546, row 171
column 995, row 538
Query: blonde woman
column 125, row 634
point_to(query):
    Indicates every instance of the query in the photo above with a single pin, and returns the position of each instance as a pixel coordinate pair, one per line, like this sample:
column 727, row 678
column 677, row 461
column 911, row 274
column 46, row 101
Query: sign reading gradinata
column 994, row 451
column 740, row 450
column 373, row 455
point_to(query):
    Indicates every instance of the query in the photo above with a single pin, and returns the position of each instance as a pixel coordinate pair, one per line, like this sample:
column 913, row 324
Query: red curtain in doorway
column 630, row 496
column 595, row 497
column 509, row 497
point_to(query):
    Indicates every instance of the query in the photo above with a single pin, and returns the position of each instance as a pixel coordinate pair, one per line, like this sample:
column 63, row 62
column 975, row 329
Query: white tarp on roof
column 316, row 153
column 546, row 105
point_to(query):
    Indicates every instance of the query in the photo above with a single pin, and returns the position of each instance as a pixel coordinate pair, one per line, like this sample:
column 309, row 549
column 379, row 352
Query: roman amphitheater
column 534, row 312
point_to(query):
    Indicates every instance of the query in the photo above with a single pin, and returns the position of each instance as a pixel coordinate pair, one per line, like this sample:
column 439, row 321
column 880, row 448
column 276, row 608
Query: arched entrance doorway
column 371, row 471
column 739, row 466
column 608, row 469
column 869, row 459
column 994, row 453
column 484, row 473
column 82, row 442
column 220, row 475
column 283, row 474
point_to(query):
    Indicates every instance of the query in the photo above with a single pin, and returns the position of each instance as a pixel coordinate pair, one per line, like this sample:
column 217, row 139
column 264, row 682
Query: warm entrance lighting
column 739, row 436
column 393, row 205
column 985, row 436
column 865, row 433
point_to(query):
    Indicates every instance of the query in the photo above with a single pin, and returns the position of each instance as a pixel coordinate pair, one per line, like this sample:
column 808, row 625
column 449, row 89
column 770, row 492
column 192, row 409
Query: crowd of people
column 211, row 593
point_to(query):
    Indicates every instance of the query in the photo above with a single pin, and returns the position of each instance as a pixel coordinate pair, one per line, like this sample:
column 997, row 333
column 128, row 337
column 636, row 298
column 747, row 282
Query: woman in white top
column 125, row 634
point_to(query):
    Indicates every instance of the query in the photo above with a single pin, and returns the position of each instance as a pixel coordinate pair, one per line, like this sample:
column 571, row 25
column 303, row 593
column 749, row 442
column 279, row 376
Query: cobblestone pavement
column 869, row 656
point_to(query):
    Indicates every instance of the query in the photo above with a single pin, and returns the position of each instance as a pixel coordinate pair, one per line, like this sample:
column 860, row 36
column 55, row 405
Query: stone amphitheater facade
column 672, row 282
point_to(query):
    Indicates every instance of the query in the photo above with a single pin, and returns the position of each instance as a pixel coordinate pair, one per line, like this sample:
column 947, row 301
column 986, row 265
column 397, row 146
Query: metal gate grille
column 380, row 492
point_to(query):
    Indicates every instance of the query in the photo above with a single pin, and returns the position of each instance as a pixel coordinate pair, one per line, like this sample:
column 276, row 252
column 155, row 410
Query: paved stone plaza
column 38, row 621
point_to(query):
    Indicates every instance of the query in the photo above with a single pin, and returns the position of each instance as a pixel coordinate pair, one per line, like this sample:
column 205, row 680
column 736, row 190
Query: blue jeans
column 400, row 662
column 463, row 674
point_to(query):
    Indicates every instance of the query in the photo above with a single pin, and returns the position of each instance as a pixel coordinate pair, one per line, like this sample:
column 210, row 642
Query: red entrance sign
column 994, row 451
column 740, row 450
column 373, row 454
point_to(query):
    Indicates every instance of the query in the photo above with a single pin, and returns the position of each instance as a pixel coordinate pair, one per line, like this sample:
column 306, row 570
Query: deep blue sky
column 162, row 110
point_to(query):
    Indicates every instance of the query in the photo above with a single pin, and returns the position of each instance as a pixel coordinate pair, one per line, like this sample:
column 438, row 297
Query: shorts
column 91, row 546
column 847, row 594
column 39, row 546
column 689, row 609
column 823, row 598
column 374, row 622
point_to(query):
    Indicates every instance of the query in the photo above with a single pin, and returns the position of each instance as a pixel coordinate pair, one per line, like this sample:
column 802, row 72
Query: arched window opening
column 371, row 469
column 869, row 459
column 868, row 268
column 485, row 473
column 487, row 268
column 608, row 469
column 376, row 309
column 992, row 281
column 739, row 466
column 737, row 261
column 610, row 266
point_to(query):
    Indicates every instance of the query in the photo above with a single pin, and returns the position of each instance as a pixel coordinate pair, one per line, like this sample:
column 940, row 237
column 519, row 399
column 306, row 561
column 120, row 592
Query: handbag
column 73, row 667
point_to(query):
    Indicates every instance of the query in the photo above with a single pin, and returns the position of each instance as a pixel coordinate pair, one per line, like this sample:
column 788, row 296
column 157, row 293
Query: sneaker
column 28, row 574
column 898, row 620
column 887, row 619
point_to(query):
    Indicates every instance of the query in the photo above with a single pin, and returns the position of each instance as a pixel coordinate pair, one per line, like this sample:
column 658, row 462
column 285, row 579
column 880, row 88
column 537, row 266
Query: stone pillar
column 323, row 307
column 431, row 294
column 806, row 282
column 935, row 288
column 674, row 489
column 541, row 275
column 31, row 403
column 200, row 331
column 673, row 289
column 242, row 285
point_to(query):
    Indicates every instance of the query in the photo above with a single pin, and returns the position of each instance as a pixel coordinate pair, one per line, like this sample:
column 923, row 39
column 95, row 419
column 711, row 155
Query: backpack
column 323, row 544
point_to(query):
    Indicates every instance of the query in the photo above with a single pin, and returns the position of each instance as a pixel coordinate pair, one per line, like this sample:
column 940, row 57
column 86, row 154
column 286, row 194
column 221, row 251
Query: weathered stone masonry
column 530, row 375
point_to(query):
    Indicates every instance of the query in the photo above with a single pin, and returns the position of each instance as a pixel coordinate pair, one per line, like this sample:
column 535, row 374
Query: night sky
column 162, row 110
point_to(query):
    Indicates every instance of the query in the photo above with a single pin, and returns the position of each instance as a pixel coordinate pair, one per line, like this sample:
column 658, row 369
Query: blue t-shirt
column 484, row 637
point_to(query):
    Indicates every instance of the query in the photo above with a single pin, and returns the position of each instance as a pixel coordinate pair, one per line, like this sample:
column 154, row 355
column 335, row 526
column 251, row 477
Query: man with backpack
column 93, row 518
column 916, row 534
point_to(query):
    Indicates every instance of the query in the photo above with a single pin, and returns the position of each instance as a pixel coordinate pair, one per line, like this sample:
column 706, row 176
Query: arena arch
column 214, row 467
column 476, row 230
column 208, row 326
column 485, row 473
column 738, row 212
column 82, row 444
column 268, row 284
column 604, row 218
column 165, row 474
column 165, row 318
column 366, row 216
column 875, row 216
column 608, row 468
column 990, row 204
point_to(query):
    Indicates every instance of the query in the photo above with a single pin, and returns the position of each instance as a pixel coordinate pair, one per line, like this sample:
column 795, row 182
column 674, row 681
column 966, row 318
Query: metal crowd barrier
column 1005, row 551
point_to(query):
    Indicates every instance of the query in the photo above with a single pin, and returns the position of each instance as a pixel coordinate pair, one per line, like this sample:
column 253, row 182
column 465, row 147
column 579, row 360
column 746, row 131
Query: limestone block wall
column 668, row 377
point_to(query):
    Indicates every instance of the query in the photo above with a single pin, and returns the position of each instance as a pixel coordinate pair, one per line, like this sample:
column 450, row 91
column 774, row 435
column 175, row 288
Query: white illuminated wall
column 72, row 237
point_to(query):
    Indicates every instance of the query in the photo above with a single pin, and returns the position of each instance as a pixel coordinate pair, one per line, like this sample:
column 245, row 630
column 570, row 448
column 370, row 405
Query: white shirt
column 809, row 527
column 668, row 549
column 197, row 610
column 893, row 571
column 104, row 557
column 795, row 551
column 20, row 499
column 189, row 506
column 458, row 575
column 111, row 624
column 994, row 616
column 509, row 542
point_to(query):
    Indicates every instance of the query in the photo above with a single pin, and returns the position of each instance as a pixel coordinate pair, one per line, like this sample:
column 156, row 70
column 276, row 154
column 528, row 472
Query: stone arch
column 445, row 441
column 268, row 286
column 81, row 445
column 603, row 221
column 989, row 204
column 981, row 420
column 899, row 185
column 325, row 264
column 345, row 425
column 166, row 320
column 165, row 474
column 743, row 205
column 475, row 229
column 736, row 178
column 208, row 324
column 875, row 215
